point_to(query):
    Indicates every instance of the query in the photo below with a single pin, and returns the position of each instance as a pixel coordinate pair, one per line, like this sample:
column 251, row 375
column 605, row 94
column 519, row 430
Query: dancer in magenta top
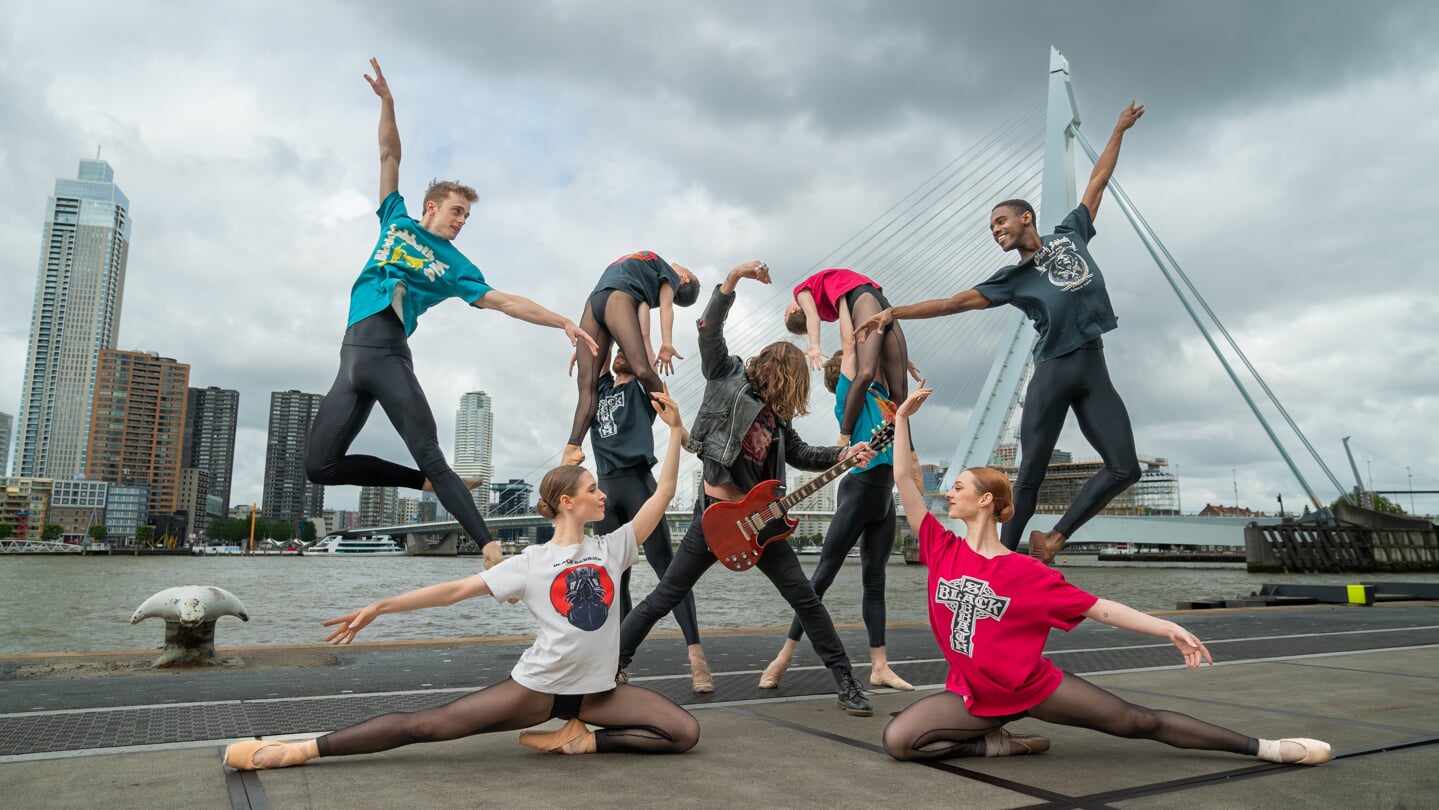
column 991, row 611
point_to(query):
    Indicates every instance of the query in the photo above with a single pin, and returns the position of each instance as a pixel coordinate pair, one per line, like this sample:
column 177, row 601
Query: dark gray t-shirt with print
column 622, row 431
column 1060, row 288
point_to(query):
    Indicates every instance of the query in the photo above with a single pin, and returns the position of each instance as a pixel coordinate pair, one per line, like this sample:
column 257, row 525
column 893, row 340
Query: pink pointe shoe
column 1311, row 752
column 573, row 738
column 241, row 755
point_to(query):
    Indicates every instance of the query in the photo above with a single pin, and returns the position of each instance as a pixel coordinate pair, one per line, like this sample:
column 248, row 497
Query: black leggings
column 1078, row 380
column 375, row 366
column 633, row 719
column 886, row 350
column 778, row 563
column 624, row 495
column 610, row 317
column 864, row 509
column 940, row 726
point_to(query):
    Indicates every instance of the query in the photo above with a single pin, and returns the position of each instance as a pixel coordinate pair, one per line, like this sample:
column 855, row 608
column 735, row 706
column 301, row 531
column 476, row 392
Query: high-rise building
column 7, row 426
column 474, row 444
column 194, row 494
column 78, row 291
column 210, row 419
column 125, row 511
column 513, row 497
column 138, row 424
column 378, row 506
column 25, row 506
column 288, row 494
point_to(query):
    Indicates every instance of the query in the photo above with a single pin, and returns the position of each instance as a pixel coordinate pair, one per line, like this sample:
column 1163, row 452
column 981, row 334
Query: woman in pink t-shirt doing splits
column 568, row 585
column 991, row 611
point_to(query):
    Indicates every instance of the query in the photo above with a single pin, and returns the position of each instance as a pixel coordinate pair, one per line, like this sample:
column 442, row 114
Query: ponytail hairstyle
column 996, row 483
column 560, row 481
column 780, row 375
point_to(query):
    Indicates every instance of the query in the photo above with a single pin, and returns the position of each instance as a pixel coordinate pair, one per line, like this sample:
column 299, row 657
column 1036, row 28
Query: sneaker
column 852, row 699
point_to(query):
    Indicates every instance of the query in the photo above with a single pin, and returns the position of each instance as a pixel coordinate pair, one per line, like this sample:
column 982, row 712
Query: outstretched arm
column 1104, row 167
column 653, row 510
column 665, row 358
column 1127, row 618
column 959, row 302
column 389, row 133
column 805, row 299
column 909, row 495
column 445, row 593
column 521, row 308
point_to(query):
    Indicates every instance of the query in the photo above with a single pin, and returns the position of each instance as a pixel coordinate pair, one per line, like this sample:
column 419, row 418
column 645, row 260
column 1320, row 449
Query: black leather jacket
column 730, row 407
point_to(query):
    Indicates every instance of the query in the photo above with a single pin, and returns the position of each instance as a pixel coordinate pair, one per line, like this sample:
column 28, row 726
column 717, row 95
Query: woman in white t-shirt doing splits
column 568, row 584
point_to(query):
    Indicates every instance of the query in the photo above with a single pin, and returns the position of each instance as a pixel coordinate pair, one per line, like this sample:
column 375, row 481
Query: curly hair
column 440, row 190
column 996, row 483
column 831, row 370
column 561, row 481
column 780, row 375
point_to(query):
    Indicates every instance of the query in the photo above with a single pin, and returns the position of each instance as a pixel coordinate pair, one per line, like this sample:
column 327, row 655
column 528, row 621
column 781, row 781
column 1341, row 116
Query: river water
column 55, row 603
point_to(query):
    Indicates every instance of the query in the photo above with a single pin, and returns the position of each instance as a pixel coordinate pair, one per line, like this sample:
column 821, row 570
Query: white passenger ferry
column 380, row 545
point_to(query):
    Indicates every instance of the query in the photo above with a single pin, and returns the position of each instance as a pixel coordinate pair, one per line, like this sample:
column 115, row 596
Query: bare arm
column 909, row 495
column 1127, row 618
column 665, row 358
column 389, row 133
column 440, row 595
column 521, row 308
column 1104, row 166
column 934, row 308
column 653, row 510
column 805, row 299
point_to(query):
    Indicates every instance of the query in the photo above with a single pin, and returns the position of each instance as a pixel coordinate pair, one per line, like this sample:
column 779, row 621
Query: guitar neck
column 881, row 438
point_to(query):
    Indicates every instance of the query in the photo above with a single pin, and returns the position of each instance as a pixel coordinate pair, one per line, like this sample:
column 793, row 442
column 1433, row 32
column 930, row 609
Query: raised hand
column 872, row 324
column 757, row 270
column 1129, row 116
column 667, row 409
column 914, row 400
column 378, row 83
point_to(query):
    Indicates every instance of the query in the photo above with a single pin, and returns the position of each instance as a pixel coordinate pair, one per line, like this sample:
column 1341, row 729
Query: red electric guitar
column 738, row 531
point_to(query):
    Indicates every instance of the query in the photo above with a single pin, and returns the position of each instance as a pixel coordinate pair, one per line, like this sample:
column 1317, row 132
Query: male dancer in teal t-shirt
column 413, row 267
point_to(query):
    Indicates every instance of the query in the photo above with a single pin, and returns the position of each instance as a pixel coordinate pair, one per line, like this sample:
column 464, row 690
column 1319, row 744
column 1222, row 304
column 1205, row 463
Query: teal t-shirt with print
column 877, row 410
column 430, row 267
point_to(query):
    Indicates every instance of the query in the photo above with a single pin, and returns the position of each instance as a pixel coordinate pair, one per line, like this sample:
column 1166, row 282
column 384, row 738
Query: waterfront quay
column 99, row 729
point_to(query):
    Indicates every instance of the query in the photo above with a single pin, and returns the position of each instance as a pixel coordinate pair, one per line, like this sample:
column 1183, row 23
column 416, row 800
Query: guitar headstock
column 880, row 437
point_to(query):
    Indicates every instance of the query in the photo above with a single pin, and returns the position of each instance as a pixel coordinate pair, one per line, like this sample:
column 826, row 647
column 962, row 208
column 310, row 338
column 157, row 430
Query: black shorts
column 865, row 289
column 566, row 706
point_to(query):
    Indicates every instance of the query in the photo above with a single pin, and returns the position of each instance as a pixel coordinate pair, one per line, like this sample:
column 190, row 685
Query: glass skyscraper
column 210, row 419
column 288, row 494
column 474, row 444
column 78, row 293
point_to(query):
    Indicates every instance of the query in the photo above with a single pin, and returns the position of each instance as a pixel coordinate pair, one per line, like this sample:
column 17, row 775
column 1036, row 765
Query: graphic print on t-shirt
column 583, row 594
column 1063, row 265
column 410, row 253
column 971, row 600
column 758, row 438
column 605, row 414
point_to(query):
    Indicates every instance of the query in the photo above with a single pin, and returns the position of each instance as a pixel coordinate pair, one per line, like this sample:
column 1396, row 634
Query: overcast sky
column 1286, row 160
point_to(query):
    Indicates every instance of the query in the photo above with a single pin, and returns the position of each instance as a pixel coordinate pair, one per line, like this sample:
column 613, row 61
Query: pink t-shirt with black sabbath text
column 829, row 286
column 991, row 618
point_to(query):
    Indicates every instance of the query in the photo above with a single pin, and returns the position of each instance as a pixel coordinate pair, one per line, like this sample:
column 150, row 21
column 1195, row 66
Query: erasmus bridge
column 934, row 243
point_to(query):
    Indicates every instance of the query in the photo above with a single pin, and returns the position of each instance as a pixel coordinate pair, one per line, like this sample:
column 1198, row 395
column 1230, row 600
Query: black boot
column 851, row 694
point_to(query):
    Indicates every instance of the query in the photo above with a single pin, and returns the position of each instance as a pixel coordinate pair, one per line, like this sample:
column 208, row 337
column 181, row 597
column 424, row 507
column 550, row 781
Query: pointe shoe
column 889, row 678
column 701, row 681
column 573, row 738
column 1315, row 752
column 769, row 679
column 1000, row 743
column 623, row 676
column 573, row 455
column 241, row 756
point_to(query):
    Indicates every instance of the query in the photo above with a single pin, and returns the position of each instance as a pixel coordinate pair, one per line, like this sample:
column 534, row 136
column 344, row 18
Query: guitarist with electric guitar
column 744, row 436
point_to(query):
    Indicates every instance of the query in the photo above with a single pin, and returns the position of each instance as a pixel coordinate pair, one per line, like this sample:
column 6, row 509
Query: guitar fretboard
column 883, row 435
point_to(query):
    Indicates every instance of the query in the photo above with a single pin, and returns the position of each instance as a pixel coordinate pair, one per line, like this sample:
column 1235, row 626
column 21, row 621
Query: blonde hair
column 440, row 190
column 780, row 375
column 996, row 483
column 557, row 483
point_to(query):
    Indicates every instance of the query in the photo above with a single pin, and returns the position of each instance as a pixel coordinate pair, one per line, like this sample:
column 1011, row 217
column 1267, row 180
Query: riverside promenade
column 99, row 730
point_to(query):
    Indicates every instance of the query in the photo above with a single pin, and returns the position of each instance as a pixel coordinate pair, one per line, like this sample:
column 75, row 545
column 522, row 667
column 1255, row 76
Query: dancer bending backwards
column 863, row 509
column 1058, row 285
column 413, row 267
column 991, row 611
column 743, row 435
column 845, row 296
column 568, row 585
column 618, row 311
column 624, row 448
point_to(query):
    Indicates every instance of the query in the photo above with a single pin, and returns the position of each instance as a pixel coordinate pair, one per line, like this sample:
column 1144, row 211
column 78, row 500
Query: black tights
column 940, row 726
column 886, row 350
column 865, row 513
column 1078, row 380
column 610, row 317
column 624, row 495
column 376, row 366
column 633, row 719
